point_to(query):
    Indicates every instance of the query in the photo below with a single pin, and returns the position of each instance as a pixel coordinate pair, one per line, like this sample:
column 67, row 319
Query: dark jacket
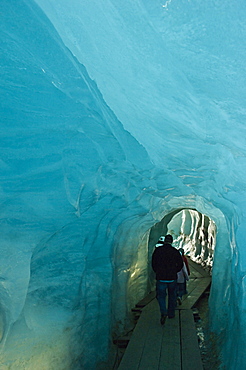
column 166, row 262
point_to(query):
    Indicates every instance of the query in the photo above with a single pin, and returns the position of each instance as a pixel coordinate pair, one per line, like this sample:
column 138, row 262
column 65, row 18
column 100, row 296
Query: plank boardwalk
column 174, row 345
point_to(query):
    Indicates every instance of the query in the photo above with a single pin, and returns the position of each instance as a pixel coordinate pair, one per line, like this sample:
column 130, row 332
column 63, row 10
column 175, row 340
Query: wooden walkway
column 174, row 345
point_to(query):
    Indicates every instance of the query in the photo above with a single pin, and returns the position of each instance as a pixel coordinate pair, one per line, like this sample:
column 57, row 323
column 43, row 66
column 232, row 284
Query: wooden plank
column 188, row 303
column 191, row 299
column 146, row 299
column 195, row 274
column 135, row 348
column 191, row 284
column 197, row 268
column 201, row 286
column 191, row 357
column 170, row 358
column 173, row 345
column 152, row 348
column 191, row 288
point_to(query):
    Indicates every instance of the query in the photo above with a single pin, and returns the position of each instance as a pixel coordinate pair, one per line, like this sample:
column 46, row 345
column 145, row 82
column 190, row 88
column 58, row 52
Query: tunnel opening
column 192, row 230
column 199, row 227
column 196, row 233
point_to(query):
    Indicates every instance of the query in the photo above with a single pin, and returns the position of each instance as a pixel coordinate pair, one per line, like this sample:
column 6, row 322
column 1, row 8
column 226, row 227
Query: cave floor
column 173, row 345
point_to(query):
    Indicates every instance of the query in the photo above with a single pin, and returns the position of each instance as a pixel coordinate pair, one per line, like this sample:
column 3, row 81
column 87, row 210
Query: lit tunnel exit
column 191, row 230
column 199, row 228
column 196, row 233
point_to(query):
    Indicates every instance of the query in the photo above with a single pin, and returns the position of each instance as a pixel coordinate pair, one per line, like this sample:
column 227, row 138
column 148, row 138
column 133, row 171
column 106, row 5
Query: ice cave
column 119, row 120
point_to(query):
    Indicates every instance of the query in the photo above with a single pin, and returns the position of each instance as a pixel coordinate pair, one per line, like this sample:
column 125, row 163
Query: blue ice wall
column 114, row 114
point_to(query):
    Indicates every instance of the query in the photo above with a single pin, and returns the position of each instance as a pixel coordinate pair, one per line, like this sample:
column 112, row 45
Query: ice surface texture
column 113, row 115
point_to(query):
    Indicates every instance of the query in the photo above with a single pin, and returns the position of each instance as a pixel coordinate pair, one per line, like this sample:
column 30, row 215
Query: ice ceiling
column 114, row 115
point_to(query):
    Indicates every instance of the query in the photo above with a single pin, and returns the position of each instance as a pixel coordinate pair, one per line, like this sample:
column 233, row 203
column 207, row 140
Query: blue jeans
column 181, row 289
column 161, row 293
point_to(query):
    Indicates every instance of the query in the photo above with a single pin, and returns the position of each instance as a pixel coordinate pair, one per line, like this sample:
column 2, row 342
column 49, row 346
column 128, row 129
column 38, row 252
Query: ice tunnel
column 119, row 120
column 192, row 231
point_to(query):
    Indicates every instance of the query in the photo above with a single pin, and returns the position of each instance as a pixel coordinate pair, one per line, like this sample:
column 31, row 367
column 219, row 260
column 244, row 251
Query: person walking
column 187, row 267
column 181, row 283
column 166, row 263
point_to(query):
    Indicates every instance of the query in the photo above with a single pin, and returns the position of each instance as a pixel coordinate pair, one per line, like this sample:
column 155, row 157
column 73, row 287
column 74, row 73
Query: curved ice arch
column 132, row 274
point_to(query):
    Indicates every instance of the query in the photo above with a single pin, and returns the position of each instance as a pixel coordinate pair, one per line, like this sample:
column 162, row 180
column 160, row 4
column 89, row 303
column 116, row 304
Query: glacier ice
column 116, row 117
